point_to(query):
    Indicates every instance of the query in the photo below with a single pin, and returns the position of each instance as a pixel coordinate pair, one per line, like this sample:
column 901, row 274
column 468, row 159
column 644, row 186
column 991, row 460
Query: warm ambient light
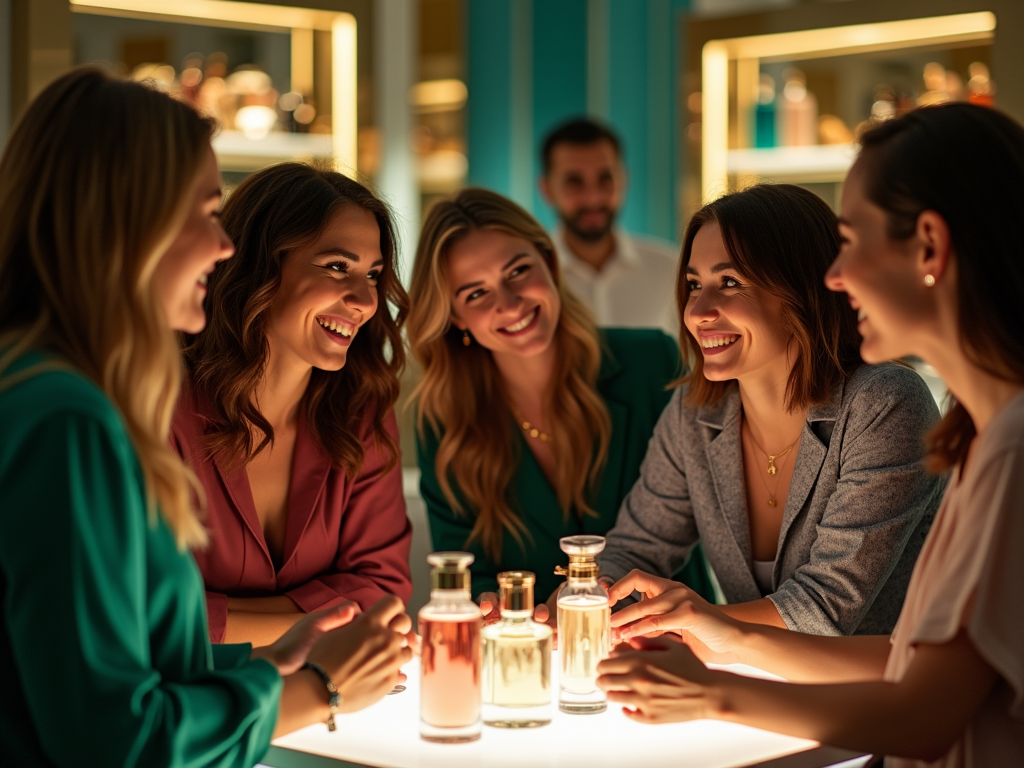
column 804, row 44
column 438, row 95
column 298, row 21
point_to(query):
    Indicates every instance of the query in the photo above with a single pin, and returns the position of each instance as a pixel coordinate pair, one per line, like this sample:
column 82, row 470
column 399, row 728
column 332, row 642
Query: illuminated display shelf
column 237, row 153
column 387, row 734
column 234, row 151
column 821, row 162
column 742, row 57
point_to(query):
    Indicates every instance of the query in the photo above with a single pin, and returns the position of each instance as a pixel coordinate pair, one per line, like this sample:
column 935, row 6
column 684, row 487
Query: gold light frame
column 748, row 52
column 299, row 22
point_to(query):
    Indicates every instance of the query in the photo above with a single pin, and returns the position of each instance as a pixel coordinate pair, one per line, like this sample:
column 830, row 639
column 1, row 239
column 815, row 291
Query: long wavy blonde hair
column 95, row 182
column 462, row 397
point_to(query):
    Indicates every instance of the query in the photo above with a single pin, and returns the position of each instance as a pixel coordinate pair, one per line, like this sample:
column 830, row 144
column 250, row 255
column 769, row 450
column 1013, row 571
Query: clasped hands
column 656, row 669
column 363, row 652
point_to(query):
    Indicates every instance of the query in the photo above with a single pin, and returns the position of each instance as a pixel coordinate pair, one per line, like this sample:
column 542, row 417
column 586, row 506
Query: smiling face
column 881, row 277
column 503, row 293
column 201, row 242
column 586, row 184
column 739, row 327
column 328, row 292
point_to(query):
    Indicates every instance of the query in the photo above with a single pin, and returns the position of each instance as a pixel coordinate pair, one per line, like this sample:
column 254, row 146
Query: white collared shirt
column 636, row 288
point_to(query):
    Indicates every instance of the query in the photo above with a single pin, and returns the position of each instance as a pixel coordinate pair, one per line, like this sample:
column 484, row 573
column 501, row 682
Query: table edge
column 815, row 757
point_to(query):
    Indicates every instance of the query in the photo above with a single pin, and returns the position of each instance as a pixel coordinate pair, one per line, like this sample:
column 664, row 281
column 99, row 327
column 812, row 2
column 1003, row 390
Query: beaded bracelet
column 334, row 700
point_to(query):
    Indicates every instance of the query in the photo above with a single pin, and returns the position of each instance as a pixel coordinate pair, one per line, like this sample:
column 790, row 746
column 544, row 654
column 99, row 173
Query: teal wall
column 533, row 63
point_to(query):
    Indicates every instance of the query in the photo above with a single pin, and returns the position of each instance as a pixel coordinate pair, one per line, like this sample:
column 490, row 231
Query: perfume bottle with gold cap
column 451, row 659
column 517, row 659
column 584, row 627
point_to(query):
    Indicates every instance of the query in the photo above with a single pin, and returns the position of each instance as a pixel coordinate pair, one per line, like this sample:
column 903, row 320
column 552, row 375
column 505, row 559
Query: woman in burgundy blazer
column 287, row 419
column 344, row 539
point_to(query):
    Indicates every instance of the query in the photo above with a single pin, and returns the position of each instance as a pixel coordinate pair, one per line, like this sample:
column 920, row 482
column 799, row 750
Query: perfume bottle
column 517, row 659
column 450, row 663
column 764, row 113
column 584, row 627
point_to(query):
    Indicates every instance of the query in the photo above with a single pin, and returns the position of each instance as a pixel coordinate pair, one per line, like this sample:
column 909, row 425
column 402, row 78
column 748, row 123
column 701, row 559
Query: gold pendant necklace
column 528, row 427
column 772, row 469
column 771, row 457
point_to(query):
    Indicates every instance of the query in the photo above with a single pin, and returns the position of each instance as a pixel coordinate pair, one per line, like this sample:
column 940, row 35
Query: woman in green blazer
column 110, row 196
column 532, row 422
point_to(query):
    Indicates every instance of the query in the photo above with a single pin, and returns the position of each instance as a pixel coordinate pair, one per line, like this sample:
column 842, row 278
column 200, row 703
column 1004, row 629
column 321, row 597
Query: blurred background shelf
column 235, row 152
column 781, row 92
column 815, row 163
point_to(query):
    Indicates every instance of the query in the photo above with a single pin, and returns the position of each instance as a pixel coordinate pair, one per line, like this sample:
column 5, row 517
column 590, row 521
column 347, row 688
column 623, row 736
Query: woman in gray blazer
column 798, row 467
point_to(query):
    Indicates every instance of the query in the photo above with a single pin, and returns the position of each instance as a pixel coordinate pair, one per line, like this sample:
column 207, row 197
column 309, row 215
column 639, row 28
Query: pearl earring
column 929, row 281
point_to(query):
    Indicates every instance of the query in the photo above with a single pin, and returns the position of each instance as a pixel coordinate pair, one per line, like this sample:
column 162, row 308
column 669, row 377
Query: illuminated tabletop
column 386, row 735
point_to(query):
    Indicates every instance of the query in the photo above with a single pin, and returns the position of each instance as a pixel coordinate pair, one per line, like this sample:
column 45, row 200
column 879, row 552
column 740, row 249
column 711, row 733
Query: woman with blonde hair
column 110, row 196
column 532, row 423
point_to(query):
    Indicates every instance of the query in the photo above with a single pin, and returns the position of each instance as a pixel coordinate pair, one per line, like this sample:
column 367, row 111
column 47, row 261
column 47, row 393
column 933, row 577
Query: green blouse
column 636, row 367
column 104, row 656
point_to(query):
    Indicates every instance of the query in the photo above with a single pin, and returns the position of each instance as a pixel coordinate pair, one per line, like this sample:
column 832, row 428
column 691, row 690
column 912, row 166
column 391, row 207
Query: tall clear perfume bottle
column 517, row 659
column 450, row 663
column 584, row 627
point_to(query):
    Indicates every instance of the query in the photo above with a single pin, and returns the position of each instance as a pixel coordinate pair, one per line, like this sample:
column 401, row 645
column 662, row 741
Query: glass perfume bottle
column 517, row 659
column 764, row 113
column 584, row 627
column 450, row 663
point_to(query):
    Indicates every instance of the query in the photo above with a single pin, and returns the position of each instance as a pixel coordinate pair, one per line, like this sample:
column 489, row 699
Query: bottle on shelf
column 764, row 113
column 517, row 659
column 584, row 627
column 798, row 111
column 936, row 84
column 450, row 663
column 980, row 88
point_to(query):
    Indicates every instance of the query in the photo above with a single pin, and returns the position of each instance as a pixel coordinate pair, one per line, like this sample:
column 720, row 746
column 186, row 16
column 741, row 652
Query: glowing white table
column 386, row 735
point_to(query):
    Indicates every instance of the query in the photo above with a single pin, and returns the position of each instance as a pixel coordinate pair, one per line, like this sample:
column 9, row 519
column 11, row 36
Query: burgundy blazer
column 345, row 539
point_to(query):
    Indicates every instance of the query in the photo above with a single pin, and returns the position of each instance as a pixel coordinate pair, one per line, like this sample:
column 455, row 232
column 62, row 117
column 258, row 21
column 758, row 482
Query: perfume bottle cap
column 582, row 551
column 450, row 570
column 582, row 546
column 516, row 588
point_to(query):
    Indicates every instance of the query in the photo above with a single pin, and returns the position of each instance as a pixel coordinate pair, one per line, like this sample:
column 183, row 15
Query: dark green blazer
column 636, row 367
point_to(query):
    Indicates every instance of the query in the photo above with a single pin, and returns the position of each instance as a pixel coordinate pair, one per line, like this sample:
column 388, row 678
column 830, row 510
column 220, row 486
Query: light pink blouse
column 971, row 575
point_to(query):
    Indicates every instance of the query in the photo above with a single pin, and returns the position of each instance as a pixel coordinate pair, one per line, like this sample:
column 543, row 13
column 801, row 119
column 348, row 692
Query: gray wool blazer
column 859, row 507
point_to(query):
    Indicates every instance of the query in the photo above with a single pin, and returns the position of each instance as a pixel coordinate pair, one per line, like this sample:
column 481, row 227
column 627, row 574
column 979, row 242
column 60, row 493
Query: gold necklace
column 771, row 458
column 772, row 501
column 528, row 428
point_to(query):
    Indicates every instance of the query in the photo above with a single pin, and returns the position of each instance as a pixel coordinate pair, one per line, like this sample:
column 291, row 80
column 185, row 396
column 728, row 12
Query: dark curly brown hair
column 270, row 214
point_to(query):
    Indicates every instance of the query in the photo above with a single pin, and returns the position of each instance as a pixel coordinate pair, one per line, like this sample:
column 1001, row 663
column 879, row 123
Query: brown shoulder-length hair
column 270, row 214
column 966, row 163
column 782, row 239
column 461, row 396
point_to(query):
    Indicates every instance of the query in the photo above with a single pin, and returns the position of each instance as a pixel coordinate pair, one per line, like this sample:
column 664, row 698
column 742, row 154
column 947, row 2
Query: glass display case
column 281, row 80
column 781, row 96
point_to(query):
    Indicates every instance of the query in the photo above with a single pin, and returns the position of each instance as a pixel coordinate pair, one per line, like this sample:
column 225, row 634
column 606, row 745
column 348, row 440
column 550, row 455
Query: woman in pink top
column 933, row 263
column 287, row 418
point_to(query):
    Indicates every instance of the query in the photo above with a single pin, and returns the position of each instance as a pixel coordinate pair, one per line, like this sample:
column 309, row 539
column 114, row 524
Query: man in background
column 626, row 280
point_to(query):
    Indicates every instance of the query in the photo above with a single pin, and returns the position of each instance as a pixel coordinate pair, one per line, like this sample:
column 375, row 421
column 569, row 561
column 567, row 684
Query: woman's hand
column 290, row 651
column 669, row 606
column 657, row 680
column 491, row 607
column 364, row 657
